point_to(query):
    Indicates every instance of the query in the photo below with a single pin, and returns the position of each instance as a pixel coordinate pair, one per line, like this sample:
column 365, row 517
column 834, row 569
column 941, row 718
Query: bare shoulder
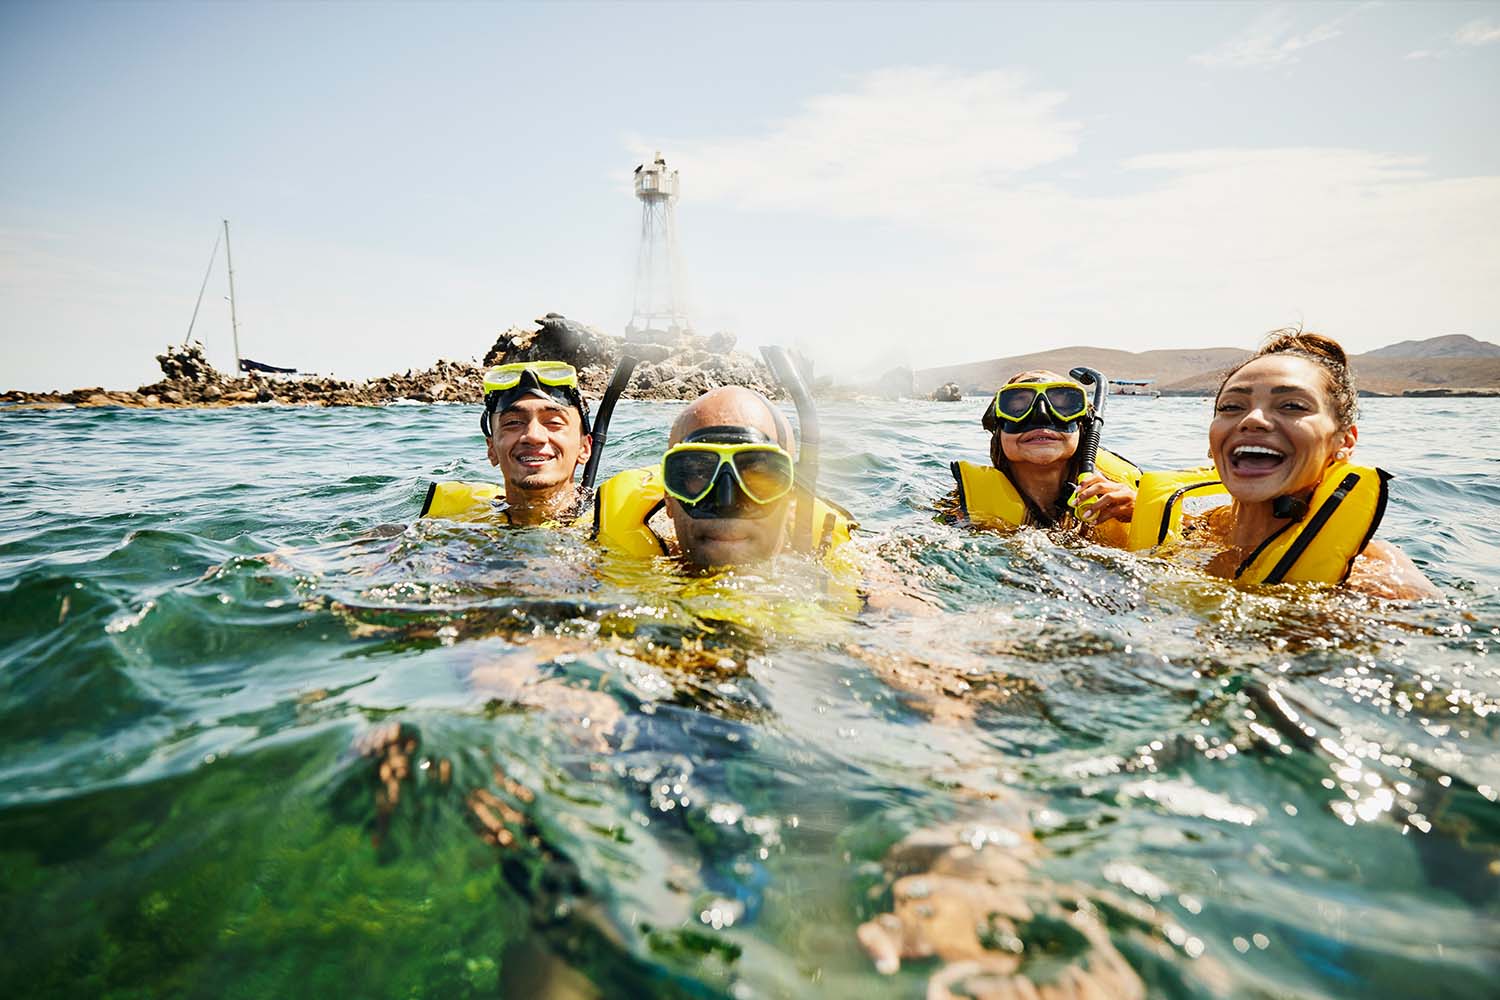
column 1383, row 570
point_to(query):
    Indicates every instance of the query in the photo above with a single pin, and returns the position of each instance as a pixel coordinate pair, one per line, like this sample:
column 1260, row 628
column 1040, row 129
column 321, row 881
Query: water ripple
column 265, row 734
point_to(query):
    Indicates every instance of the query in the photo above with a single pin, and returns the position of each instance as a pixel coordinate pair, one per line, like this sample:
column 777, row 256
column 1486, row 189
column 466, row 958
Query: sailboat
column 241, row 364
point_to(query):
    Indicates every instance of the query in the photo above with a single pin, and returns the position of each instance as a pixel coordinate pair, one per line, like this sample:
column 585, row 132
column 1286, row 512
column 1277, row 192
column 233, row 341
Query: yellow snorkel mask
column 717, row 469
column 505, row 384
column 551, row 373
column 1017, row 402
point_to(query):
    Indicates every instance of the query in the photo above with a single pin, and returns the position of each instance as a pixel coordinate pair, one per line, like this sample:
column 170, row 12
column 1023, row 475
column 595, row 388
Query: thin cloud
column 887, row 147
column 1270, row 40
column 1471, row 35
column 1479, row 32
column 1370, row 245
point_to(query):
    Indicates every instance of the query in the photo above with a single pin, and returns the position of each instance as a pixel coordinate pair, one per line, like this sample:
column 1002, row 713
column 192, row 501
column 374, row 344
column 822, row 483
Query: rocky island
column 682, row 366
column 673, row 366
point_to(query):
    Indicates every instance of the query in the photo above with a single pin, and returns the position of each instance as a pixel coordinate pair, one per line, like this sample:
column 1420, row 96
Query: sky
column 875, row 184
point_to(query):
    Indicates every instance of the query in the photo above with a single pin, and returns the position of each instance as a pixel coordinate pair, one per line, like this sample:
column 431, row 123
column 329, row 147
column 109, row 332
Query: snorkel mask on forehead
column 505, row 385
column 727, row 471
column 1025, row 406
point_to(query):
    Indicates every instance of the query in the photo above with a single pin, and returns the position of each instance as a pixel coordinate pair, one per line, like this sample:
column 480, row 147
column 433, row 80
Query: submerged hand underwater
column 256, row 747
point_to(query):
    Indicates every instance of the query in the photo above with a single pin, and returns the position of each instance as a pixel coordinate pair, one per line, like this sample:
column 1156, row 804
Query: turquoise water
column 204, row 613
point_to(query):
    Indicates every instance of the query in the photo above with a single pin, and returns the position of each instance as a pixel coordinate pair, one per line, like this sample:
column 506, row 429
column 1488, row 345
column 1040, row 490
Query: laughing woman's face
column 1274, row 429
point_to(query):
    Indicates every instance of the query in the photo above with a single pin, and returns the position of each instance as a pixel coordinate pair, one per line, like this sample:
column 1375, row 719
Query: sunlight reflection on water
column 694, row 784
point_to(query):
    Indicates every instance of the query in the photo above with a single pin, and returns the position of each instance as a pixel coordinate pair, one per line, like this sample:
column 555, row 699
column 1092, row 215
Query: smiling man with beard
column 538, row 435
column 536, row 429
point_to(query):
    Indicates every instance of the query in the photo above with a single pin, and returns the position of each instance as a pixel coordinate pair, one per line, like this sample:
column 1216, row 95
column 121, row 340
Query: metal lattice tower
column 660, row 296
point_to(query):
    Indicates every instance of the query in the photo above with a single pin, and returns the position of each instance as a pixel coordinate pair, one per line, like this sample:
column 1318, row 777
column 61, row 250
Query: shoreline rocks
column 1452, row 392
column 681, row 366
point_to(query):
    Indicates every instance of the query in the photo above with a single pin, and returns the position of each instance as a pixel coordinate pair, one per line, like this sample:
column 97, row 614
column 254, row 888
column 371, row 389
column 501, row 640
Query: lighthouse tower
column 660, row 297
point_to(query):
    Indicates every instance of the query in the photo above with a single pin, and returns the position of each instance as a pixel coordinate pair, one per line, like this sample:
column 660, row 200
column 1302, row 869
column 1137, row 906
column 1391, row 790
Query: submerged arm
column 1383, row 570
column 886, row 589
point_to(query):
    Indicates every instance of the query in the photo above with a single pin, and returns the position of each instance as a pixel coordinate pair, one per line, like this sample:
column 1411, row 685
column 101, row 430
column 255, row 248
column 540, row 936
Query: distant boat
column 241, row 364
column 1133, row 387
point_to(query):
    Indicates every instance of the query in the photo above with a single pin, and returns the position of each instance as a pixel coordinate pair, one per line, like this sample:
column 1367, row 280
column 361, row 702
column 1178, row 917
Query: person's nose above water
column 535, row 431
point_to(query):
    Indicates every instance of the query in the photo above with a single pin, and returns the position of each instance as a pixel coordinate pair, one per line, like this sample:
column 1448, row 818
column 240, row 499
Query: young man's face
column 538, row 444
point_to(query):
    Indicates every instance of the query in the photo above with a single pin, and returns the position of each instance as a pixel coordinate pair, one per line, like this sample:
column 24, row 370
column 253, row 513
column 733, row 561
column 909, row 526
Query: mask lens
column 552, row 373
column 1066, row 401
column 555, row 373
column 689, row 474
column 765, row 475
column 1015, row 402
column 498, row 379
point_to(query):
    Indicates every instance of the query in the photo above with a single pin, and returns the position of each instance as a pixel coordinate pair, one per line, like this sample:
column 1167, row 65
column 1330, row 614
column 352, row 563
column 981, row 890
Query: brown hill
column 1408, row 366
column 1455, row 345
column 979, row 377
column 1399, row 375
column 1382, row 376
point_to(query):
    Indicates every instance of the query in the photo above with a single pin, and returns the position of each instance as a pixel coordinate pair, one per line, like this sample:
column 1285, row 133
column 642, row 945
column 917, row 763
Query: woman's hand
column 1111, row 500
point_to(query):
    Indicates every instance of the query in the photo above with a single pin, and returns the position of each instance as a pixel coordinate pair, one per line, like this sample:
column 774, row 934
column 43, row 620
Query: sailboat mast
column 201, row 289
column 233, row 320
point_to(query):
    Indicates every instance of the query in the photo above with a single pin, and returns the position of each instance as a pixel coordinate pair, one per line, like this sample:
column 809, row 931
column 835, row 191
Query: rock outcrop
column 683, row 369
column 948, row 392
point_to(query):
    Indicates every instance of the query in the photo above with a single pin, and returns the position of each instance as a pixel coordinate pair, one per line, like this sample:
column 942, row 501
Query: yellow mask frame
column 553, row 373
column 726, row 454
column 1064, row 409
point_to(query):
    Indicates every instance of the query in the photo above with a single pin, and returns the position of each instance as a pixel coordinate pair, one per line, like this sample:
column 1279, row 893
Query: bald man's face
column 731, row 541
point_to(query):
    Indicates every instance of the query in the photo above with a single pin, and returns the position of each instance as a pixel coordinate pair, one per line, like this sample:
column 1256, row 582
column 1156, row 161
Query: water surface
column 205, row 612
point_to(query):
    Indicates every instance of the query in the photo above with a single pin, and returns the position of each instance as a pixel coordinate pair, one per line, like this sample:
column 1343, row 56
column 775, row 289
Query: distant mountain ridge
column 1455, row 345
column 1158, row 365
column 1453, row 361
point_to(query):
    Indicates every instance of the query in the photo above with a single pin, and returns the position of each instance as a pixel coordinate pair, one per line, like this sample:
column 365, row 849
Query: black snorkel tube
column 617, row 384
column 1089, row 446
column 807, row 453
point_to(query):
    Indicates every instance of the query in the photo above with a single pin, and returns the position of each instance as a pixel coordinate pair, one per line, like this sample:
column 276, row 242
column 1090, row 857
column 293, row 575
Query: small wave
column 693, row 784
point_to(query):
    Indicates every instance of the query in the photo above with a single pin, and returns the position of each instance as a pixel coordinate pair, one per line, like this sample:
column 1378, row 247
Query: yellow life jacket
column 627, row 500
column 1163, row 497
column 457, row 500
column 1320, row 547
column 461, row 501
column 988, row 498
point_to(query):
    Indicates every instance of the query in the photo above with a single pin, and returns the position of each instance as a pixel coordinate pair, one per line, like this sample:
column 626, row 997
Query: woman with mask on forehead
column 1036, row 423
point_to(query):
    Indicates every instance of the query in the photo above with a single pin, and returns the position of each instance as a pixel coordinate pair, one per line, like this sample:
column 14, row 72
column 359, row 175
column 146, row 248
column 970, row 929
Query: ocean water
column 617, row 781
